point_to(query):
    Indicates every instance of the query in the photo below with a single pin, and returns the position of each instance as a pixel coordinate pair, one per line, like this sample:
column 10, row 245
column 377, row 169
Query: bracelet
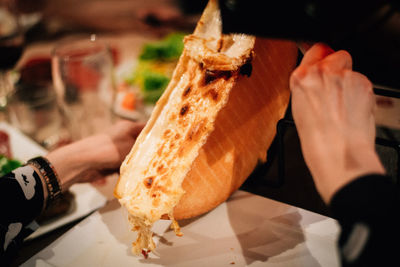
column 50, row 176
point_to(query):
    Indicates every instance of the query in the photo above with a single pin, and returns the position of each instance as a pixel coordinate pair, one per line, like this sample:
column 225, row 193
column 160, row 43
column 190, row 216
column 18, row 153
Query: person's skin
column 333, row 109
column 96, row 156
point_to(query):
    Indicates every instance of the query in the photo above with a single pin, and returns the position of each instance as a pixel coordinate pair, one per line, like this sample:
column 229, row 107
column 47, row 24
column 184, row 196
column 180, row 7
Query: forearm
column 81, row 159
column 339, row 164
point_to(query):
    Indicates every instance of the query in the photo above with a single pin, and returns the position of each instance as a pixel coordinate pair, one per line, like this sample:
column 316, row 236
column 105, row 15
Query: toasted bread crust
column 150, row 184
column 209, row 129
column 244, row 130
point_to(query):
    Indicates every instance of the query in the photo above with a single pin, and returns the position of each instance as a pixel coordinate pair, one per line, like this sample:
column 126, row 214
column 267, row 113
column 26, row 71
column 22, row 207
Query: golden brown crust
column 150, row 184
column 244, row 130
column 196, row 138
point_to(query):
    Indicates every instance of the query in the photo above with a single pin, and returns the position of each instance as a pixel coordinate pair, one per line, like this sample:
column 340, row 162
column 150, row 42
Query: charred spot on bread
column 184, row 109
column 160, row 150
column 246, row 69
column 220, row 44
column 187, row 91
column 167, row 133
column 148, row 181
column 212, row 93
column 211, row 75
column 160, row 169
column 160, row 188
column 172, row 117
column 165, row 216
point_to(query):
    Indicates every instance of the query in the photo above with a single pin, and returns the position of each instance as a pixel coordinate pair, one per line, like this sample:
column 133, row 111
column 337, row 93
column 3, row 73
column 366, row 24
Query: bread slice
column 243, row 131
column 207, row 132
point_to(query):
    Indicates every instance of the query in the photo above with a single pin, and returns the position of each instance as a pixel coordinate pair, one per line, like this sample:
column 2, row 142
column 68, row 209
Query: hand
column 96, row 156
column 333, row 111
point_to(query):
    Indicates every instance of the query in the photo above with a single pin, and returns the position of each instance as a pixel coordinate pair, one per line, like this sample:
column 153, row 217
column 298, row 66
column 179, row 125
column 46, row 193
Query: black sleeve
column 21, row 201
column 367, row 210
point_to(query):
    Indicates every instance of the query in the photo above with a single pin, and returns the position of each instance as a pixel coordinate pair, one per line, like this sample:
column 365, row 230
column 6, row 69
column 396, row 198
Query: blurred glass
column 34, row 110
column 33, row 106
column 11, row 41
column 82, row 73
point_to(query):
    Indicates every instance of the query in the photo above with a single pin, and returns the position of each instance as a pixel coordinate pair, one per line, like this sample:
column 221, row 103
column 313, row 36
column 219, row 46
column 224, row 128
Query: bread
column 243, row 130
column 214, row 122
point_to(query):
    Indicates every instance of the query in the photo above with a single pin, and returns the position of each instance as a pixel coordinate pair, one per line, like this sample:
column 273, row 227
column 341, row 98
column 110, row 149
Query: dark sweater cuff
column 369, row 197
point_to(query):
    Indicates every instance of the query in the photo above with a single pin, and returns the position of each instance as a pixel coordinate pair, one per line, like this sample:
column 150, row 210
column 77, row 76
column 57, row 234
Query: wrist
column 77, row 161
column 70, row 162
column 50, row 182
column 358, row 161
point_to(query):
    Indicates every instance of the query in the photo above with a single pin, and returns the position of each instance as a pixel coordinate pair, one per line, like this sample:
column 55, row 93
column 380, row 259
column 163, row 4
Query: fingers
column 338, row 61
column 321, row 53
column 133, row 127
column 315, row 54
column 136, row 128
column 126, row 126
column 304, row 46
column 318, row 61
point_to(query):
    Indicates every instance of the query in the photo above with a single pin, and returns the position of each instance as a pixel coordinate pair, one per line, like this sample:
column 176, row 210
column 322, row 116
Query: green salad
column 156, row 63
column 7, row 165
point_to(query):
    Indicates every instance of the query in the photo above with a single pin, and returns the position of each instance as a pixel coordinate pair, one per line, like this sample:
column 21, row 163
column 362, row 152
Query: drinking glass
column 82, row 73
column 33, row 109
column 11, row 40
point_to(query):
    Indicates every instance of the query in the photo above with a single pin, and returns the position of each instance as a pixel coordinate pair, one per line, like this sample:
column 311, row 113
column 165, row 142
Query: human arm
column 23, row 199
column 333, row 110
column 95, row 156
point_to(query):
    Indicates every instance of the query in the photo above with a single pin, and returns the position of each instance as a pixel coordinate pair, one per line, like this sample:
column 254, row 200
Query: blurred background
column 150, row 17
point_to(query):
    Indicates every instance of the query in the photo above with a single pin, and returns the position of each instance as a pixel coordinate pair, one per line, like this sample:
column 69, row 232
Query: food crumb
column 145, row 253
column 232, row 262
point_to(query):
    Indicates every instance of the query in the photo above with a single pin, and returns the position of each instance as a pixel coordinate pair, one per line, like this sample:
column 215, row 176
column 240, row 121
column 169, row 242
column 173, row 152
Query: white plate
column 87, row 198
column 247, row 230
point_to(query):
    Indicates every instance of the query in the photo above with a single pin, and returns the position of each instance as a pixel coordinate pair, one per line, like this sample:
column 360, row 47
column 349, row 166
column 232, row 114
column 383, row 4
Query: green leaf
column 152, row 96
column 153, row 81
column 7, row 165
column 169, row 48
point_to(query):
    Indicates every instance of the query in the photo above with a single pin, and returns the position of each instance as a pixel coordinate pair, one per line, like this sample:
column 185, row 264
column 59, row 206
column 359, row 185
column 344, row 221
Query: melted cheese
column 151, row 179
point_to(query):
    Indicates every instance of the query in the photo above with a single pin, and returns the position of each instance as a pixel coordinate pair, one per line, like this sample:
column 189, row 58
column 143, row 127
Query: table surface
column 246, row 230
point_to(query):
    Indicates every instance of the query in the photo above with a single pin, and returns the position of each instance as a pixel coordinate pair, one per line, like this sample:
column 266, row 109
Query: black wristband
column 50, row 176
